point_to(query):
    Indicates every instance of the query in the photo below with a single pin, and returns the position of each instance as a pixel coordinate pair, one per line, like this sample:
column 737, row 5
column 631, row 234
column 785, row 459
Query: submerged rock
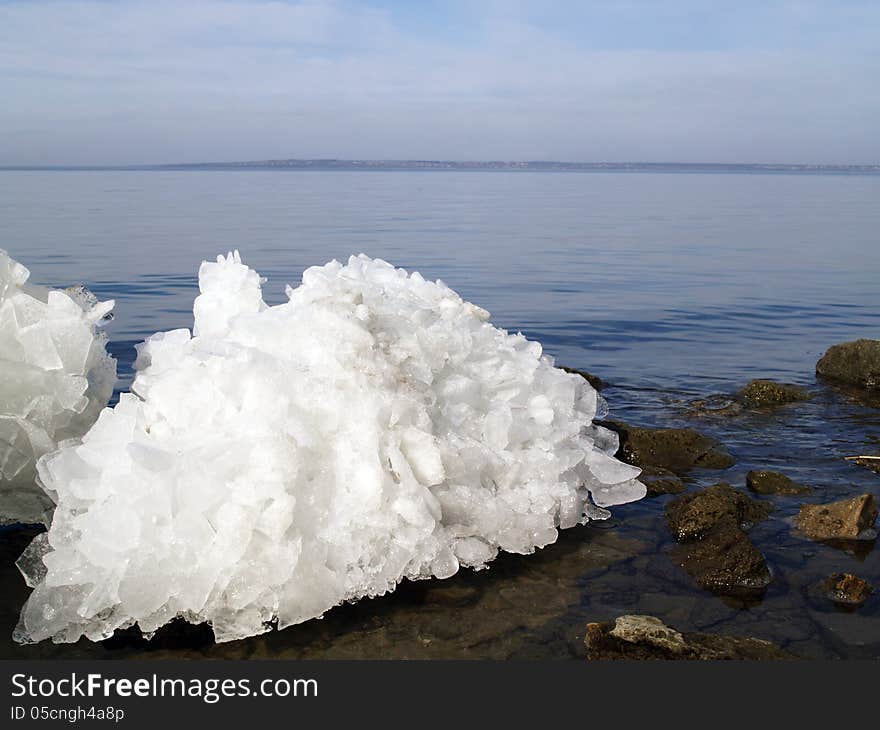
column 762, row 481
column 692, row 516
column 55, row 377
column 647, row 637
column 846, row 519
column 675, row 449
column 725, row 561
column 281, row 460
column 857, row 363
column 757, row 394
column 764, row 393
column 717, row 553
column 660, row 481
column 847, row 589
column 593, row 380
column 718, row 404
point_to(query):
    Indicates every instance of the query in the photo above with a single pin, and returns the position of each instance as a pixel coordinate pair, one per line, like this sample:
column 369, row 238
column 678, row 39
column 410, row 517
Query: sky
column 159, row 81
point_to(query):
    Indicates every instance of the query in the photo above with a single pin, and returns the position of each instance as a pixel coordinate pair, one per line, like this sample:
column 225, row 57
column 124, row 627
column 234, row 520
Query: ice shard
column 280, row 460
column 55, row 377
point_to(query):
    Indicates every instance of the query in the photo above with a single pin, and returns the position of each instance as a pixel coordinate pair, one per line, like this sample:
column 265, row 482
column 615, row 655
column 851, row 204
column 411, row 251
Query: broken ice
column 55, row 377
column 281, row 460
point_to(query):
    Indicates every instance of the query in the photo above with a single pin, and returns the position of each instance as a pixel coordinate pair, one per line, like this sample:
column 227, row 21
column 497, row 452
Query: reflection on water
column 671, row 287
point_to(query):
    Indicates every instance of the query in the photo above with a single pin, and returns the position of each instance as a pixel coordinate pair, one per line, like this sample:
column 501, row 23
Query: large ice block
column 284, row 459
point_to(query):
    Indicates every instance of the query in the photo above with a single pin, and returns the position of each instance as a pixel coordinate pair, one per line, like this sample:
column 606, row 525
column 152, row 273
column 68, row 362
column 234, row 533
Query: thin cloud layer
column 159, row 81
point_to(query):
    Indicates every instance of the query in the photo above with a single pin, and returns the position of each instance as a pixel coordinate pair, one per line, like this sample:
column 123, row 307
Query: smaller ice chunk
column 55, row 377
column 30, row 563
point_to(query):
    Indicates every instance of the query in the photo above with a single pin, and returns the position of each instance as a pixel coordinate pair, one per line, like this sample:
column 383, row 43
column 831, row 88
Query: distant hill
column 532, row 165
column 476, row 165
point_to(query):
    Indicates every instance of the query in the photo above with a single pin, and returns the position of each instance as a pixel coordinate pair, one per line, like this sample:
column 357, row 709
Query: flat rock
column 660, row 481
column 725, row 561
column 675, row 449
column 648, row 629
column 719, row 404
column 593, row 380
column 847, row 589
column 647, row 637
column 847, row 519
column 765, row 393
column 762, row 481
column 692, row 516
column 856, row 362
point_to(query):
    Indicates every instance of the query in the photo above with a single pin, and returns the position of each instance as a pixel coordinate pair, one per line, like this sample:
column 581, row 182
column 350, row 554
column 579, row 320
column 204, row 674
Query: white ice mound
column 55, row 377
column 284, row 459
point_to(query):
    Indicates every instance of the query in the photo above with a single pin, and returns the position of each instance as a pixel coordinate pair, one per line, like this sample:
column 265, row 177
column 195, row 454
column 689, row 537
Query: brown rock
column 764, row 393
column 718, row 555
column 773, row 482
column 649, row 629
column 660, row 481
column 846, row 519
column 847, row 589
column 646, row 637
column 593, row 380
column 725, row 561
column 675, row 449
column 855, row 362
column 714, row 405
column 692, row 516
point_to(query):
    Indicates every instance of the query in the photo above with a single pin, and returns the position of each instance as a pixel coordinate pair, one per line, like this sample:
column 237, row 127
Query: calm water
column 671, row 286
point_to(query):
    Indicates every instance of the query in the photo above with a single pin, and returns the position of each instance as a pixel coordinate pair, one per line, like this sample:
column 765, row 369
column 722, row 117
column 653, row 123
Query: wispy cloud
column 157, row 81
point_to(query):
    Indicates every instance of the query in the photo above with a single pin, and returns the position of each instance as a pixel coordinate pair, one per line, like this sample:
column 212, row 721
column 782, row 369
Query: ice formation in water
column 55, row 377
column 281, row 460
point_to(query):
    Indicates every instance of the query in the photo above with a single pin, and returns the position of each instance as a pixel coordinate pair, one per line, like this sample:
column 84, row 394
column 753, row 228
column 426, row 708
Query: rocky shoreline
column 711, row 526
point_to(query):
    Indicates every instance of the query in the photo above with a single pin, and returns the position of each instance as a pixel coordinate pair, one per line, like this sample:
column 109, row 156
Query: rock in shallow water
column 857, row 363
column 725, row 561
column 647, row 637
column 675, row 449
column 660, row 481
column 55, row 377
column 717, row 553
column 281, row 460
column 767, row 393
column 692, row 516
column 762, row 481
column 846, row 519
column 847, row 589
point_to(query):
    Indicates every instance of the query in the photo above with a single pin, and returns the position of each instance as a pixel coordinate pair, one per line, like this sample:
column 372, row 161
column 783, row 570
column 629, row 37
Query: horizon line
column 440, row 164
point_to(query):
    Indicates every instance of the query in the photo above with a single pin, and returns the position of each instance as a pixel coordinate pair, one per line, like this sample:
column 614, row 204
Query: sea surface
column 670, row 286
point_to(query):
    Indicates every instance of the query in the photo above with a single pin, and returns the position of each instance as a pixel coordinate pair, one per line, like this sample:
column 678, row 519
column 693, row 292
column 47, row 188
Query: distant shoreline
column 468, row 166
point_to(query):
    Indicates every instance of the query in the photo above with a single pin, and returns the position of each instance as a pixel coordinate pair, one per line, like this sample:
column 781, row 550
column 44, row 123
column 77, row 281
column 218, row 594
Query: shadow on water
column 488, row 614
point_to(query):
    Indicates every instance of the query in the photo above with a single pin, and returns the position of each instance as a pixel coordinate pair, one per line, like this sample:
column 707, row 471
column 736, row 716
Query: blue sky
column 143, row 81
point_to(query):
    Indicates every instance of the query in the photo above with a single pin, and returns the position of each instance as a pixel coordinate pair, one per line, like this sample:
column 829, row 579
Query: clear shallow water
column 671, row 286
